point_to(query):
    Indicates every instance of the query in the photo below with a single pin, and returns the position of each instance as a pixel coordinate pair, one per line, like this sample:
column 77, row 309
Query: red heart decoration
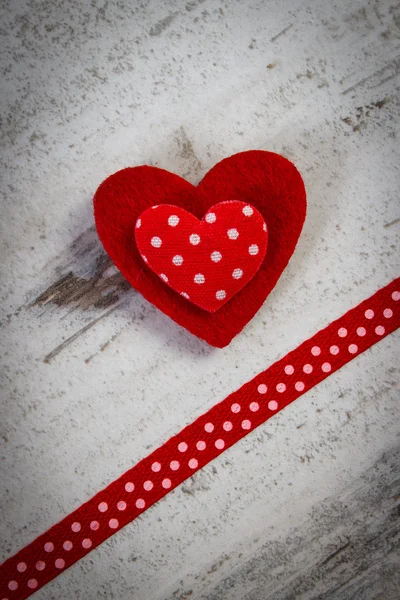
column 206, row 261
column 267, row 181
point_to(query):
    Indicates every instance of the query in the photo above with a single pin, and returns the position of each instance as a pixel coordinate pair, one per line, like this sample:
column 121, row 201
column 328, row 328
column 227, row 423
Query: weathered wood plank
column 348, row 548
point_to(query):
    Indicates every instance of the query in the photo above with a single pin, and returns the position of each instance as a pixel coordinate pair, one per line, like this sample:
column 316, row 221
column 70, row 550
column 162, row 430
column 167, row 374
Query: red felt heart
column 267, row 181
column 206, row 261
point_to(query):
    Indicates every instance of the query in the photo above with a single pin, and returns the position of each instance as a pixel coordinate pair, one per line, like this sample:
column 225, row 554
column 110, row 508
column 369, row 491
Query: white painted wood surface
column 94, row 377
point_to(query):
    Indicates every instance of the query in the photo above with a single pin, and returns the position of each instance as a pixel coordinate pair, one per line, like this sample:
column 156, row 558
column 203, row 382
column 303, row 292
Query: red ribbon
column 199, row 443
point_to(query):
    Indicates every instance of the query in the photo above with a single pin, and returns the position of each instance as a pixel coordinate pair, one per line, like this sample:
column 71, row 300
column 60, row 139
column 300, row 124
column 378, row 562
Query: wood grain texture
column 93, row 377
column 347, row 547
column 98, row 285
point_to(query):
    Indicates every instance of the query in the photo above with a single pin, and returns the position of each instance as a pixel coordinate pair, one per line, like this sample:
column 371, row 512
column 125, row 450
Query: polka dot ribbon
column 199, row 443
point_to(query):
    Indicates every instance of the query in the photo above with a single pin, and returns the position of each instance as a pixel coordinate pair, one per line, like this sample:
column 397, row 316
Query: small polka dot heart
column 206, row 261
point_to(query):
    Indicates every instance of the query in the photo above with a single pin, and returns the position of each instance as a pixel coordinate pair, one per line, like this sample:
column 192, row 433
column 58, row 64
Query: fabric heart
column 268, row 182
column 206, row 261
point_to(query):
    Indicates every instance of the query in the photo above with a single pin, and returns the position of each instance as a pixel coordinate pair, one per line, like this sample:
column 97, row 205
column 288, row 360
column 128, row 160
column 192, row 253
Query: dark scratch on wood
column 73, row 337
column 84, row 277
column 338, row 551
column 388, row 78
column 87, row 293
column 362, row 114
column 392, row 223
column 394, row 63
column 187, row 152
column 89, row 358
column 103, row 347
column 278, row 35
column 160, row 26
column 347, row 120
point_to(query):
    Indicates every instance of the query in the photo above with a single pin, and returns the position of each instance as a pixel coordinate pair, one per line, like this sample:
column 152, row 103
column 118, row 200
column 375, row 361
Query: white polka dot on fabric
column 155, row 467
column 87, row 543
column 76, row 527
column 315, row 350
column 21, row 567
column 253, row 249
column 227, row 426
column 185, row 295
column 235, row 408
column 254, row 406
column 361, row 331
column 148, row 485
column 353, row 348
column 193, row 463
column 272, row 405
column 281, row 387
column 369, row 314
column 113, row 523
column 299, row 386
column 177, row 260
column 156, row 242
column 138, row 223
column 387, row 313
column 182, row 447
column 219, row 444
column 396, row 296
column 326, row 367
column 201, row 445
column 247, row 211
column 129, row 487
column 32, row 584
column 49, row 546
column 173, row 220
column 233, row 234
column 211, row 217
column 164, row 277
column 289, row 369
column 121, row 505
column 166, row 483
column 67, row 545
column 103, row 506
column 40, row 565
column 94, row 525
column 174, row 465
column 220, row 295
column 237, row 273
column 199, row 278
column 380, row 330
column 262, row 388
column 334, row 350
column 342, row 332
column 216, row 256
column 307, row 369
column 194, row 239
column 246, row 424
column 59, row 563
column 209, row 427
column 13, row 585
column 140, row 503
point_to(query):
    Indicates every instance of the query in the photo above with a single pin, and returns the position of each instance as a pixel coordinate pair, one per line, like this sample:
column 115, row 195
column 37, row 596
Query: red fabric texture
column 207, row 261
column 199, row 443
column 264, row 180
